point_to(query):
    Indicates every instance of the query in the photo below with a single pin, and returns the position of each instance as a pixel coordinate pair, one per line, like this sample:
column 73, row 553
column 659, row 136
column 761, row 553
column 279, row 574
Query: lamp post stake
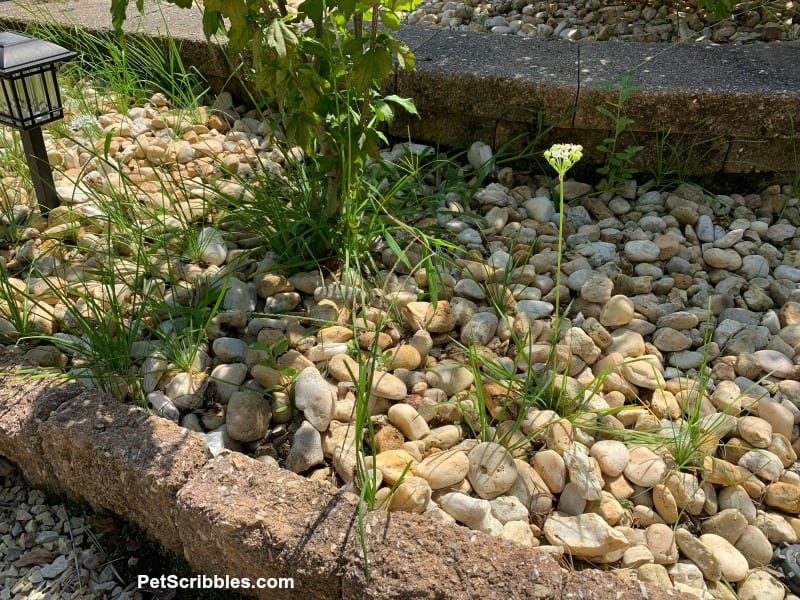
column 41, row 173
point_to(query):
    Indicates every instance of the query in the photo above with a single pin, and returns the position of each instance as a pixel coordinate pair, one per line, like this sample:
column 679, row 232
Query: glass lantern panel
column 39, row 97
column 8, row 112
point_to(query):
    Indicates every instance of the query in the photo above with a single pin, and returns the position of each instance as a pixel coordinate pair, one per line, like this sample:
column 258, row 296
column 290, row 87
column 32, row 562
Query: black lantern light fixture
column 29, row 98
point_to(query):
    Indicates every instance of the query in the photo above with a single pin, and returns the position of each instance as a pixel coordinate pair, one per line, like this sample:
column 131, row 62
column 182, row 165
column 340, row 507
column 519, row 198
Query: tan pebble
column 491, row 470
column 636, row 556
column 530, row 489
column 778, row 416
column 617, row 311
column 667, row 339
column 665, row 504
column 760, row 585
column 403, row 357
column 335, row 334
column 607, row 507
column 655, row 574
column 661, row 541
column 444, row 437
column 519, row 532
column 444, row 469
column 721, row 472
column 551, row 468
column 559, row 435
column 686, row 490
column 394, row 463
column 699, row 554
column 412, row 495
column 406, row 418
column 645, row 371
column 728, row 523
column 735, row 496
column 783, row 496
column 388, row 437
column 687, row 577
column 775, row 527
column 732, row 564
column 782, row 448
column 619, row 487
column 585, row 536
column 645, row 467
column 755, row 431
column 754, row 546
column 720, row 590
column 628, row 343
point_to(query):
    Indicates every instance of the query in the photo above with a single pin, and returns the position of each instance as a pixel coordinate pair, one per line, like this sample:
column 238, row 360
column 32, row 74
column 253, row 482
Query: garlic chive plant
column 562, row 157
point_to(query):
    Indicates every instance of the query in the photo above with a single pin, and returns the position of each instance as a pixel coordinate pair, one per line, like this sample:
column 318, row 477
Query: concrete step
column 708, row 109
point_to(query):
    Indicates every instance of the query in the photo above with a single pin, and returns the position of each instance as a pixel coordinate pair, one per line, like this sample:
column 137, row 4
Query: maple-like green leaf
column 371, row 68
column 406, row 104
column 280, row 37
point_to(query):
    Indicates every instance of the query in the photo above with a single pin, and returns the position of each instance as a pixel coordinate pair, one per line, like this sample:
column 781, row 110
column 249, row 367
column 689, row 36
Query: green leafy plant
column 722, row 9
column 616, row 168
column 322, row 67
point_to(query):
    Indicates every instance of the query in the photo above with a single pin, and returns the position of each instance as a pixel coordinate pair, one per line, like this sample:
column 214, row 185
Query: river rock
column 508, row 508
column 247, row 416
column 698, row 553
column 585, row 536
column 760, row 585
column 227, row 378
column 720, row 258
column 661, row 541
column 582, row 474
column 550, row 465
column 784, row 497
column 762, row 463
column 228, row 349
column 618, row 311
column 668, row 339
column 406, row 418
column 449, row 376
column 475, row 513
column 491, row 470
column 755, row 431
column 754, row 546
column 444, row 469
column 774, row 363
column 732, row 564
column 306, row 449
column 315, row 397
column 687, row 577
column 641, row 251
column 728, row 523
column 479, row 329
column 645, row 468
column 645, row 371
column 412, row 495
column 394, row 464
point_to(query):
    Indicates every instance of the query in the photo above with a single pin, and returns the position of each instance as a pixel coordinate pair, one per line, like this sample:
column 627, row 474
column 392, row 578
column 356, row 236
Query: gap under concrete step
column 723, row 108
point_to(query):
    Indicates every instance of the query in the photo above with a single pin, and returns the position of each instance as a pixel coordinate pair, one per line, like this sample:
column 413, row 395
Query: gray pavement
column 743, row 101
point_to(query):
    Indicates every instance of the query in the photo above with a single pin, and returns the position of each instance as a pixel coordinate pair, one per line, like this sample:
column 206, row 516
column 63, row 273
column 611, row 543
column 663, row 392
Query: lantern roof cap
column 19, row 51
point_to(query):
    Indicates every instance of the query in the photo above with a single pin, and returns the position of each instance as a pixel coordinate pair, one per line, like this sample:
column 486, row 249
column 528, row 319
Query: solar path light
column 29, row 98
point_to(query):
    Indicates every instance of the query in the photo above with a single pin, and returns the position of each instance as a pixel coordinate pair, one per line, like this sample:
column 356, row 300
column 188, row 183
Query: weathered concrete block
column 25, row 403
column 118, row 458
column 268, row 522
